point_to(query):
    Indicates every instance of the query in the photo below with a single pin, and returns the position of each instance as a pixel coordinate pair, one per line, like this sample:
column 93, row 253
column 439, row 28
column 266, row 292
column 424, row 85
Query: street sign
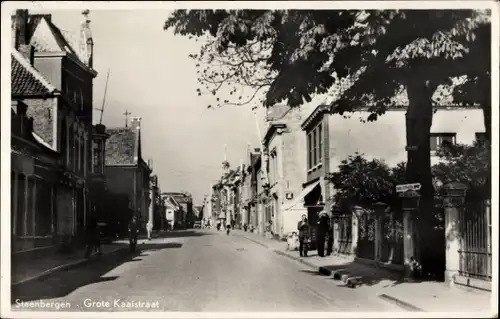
column 408, row 187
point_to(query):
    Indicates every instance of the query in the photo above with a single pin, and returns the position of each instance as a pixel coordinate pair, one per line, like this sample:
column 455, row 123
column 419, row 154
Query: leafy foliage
column 293, row 54
column 468, row 164
column 361, row 182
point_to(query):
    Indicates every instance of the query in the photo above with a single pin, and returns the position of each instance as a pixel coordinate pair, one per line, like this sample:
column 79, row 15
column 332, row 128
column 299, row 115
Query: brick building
column 33, row 163
column 126, row 171
column 63, row 121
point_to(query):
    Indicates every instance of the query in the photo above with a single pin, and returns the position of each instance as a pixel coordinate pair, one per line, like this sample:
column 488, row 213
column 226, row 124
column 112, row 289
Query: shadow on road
column 63, row 283
column 184, row 233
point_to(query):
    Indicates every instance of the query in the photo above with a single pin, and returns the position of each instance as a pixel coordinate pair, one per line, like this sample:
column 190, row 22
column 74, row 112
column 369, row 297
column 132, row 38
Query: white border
column 9, row 7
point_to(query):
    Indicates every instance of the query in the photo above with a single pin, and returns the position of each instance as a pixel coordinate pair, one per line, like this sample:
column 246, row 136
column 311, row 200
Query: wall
column 50, row 67
column 43, row 113
column 118, row 181
column 386, row 137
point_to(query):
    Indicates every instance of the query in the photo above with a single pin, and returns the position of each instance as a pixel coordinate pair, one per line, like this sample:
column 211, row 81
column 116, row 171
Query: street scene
column 252, row 160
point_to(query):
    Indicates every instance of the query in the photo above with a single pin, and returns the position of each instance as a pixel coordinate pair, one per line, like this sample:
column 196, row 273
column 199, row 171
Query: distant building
column 185, row 201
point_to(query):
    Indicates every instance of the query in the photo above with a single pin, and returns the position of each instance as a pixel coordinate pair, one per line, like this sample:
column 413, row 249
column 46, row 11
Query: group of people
column 93, row 235
column 324, row 233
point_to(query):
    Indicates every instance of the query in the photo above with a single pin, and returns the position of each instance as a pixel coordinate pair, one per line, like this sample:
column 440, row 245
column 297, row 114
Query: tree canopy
column 362, row 182
column 290, row 55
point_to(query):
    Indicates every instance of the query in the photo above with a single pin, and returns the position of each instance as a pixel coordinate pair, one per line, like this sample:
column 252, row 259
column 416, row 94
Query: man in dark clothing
column 329, row 247
column 304, row 233
column 322, row 230
column 133, row 231
column 93, row 238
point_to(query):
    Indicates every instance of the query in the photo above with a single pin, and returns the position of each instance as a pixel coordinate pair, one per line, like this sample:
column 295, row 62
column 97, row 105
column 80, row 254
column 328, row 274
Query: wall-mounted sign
column 408, row 187
column 288, row 195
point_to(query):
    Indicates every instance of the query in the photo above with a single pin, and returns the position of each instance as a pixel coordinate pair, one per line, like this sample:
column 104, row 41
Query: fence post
column 379, row 208
column 410, row 203
column 356, row 212
column 453, row 200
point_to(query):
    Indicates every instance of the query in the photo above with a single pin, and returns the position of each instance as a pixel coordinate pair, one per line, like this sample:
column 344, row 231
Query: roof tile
column 121, row 146
column 25, row 79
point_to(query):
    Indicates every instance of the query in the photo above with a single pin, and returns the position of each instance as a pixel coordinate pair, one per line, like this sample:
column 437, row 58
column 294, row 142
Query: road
column 195, row 271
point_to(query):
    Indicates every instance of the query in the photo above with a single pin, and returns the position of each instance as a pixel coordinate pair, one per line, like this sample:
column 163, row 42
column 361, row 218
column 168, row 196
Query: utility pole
column 127, row 113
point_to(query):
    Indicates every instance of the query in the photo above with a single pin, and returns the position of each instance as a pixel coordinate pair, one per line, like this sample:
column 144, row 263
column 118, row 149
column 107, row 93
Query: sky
column 152, row 77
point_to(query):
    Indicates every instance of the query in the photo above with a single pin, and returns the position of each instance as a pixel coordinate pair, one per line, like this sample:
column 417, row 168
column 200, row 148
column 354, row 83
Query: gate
column 392, row 239
column 366, row 237
column 475, row 240
column 345, row 234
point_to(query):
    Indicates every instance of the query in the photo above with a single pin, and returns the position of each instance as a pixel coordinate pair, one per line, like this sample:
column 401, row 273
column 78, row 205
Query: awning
column 297, row 200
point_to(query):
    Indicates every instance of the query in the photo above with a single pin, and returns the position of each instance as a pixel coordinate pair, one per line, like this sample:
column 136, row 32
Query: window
column 309, row 151
column 81, row 100
column 21, row 204
column 315, row 147
column 481, row 137
column 320, row 143
column 82, row 155
column 442, row 139
column 43, row 218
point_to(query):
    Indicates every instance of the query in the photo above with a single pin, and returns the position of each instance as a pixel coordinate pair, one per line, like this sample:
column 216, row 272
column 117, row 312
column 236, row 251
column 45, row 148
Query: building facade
column 285, row 145
column 62, row 122
column 124, row 163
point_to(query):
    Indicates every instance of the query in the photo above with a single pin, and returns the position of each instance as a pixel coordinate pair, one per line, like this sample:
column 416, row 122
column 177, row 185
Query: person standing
column 304, row 235
column 322, row 230
column 329, row 246
column 149, row 229
column 93, row 238
column 133, row 230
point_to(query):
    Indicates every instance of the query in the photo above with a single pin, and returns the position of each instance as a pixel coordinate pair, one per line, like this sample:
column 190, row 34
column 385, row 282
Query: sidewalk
column 386, row 284
column 27, row 271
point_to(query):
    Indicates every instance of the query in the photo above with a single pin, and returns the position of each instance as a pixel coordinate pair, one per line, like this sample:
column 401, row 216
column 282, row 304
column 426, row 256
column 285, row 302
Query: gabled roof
column 26, row 81
column 171, row 203
column 277, row 112
column 180, row 198
column 122, row 146
column 47, row 37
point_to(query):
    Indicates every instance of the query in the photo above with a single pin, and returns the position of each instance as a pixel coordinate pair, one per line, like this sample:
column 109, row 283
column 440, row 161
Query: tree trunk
column 418, row 170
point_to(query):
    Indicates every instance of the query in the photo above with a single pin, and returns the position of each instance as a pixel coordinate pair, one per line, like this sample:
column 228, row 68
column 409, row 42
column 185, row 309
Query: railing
column 392, row 239
column 345, row 234
column 366, row 237
column 475, row 233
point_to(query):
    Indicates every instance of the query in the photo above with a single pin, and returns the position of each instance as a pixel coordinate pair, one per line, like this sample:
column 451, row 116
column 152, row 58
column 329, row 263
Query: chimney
column 135, row 123
column 28, row 52
column 21, row 28
column 150, row 163
column 87, row 44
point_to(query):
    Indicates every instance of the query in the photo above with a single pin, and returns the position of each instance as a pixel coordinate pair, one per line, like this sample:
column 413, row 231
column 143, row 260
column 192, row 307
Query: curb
column 343, row 276
column 74, row 264
column 400, row 303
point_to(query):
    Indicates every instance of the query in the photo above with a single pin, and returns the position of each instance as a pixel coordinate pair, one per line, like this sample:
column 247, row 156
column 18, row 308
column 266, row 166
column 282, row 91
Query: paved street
column 197, row 271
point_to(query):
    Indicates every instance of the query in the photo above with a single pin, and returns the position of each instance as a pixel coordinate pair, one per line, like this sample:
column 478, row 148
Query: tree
column 360, row 182
column 467, row 164
column 301, row 53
